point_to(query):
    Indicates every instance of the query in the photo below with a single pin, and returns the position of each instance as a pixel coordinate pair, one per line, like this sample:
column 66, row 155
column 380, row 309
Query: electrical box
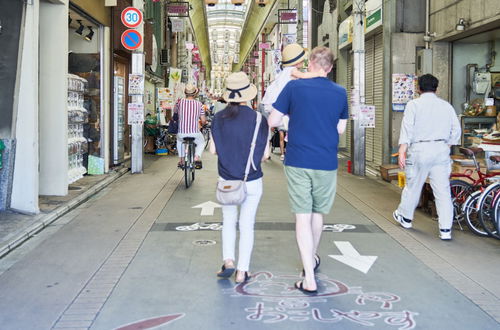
column 481, row 83
column 424, row 62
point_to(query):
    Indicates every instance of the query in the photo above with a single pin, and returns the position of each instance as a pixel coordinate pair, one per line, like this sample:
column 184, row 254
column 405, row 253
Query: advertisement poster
column 404, row 89
column 366, row 116
column 136, row 84
column 135, row 113
column 276, row 60
column 174, row 78
column 177, row 25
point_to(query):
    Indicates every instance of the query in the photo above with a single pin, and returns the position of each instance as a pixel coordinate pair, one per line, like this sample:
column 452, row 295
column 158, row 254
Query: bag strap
column 252, row 146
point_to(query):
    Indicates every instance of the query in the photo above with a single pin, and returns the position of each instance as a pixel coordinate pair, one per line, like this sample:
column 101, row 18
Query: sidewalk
column 16, row 228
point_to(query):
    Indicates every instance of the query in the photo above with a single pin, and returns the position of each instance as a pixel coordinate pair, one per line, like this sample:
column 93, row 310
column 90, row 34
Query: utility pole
column 358, row 92
column 138, row 68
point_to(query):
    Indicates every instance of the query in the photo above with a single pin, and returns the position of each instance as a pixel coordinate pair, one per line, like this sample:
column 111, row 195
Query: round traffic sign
column 131, row 39
column 131, row 17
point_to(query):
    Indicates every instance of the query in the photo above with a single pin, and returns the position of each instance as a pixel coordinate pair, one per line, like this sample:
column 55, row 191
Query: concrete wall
column 410, row 16
column 464, row 54
column 78, row 45
column 53, row 99
column 96, row 9
column 479, row 13
column 25, row 181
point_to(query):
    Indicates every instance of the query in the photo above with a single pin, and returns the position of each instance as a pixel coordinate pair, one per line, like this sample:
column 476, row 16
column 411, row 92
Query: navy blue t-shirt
column 232, row 137
column 315, row 107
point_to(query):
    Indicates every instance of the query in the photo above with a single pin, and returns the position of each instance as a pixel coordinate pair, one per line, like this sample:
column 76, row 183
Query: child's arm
column 296, row 73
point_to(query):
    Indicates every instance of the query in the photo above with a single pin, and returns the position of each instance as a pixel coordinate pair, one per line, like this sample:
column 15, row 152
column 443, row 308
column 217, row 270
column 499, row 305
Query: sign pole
column 358, row 93
column 137, row 129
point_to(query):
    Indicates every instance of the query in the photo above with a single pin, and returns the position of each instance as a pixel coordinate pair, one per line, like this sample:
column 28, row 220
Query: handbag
column 234, row 192
column 173, row 124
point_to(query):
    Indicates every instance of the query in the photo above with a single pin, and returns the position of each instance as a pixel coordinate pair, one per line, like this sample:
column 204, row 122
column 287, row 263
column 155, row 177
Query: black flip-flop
column 247, row 277
column 317, row 259
column 301, row 288
column 225, row 272
column 198, row 164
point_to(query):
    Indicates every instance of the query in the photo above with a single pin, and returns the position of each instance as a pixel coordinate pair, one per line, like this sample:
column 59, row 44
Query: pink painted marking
column 151, row 323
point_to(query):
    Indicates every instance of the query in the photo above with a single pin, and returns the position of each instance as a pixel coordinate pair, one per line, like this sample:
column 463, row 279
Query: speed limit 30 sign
column 131, row 17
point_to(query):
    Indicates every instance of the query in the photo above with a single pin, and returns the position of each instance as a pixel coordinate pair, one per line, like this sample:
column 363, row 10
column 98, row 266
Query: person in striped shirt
column 190, row 112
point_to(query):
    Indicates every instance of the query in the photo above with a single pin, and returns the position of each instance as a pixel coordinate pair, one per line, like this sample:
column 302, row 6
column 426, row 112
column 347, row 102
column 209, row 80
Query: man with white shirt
column 430, row 126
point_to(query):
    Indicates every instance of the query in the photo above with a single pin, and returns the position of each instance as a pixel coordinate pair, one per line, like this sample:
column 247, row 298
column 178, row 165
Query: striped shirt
column 189, row 113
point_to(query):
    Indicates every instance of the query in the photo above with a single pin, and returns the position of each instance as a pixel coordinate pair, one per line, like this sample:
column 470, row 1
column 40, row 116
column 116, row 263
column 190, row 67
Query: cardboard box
column 389, row 172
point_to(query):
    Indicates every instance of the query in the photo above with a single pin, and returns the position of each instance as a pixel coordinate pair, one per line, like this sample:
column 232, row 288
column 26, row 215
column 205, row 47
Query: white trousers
column 428, row 159
column 246, row 222
column 198, row 139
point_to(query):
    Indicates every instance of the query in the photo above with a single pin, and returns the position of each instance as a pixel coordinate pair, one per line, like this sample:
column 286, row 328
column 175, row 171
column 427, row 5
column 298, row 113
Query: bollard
column 349, row 166
column 2, row 148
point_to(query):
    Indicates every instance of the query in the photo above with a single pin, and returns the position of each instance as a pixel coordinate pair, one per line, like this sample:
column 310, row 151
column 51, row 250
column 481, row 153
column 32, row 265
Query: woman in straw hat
column 190, row 111
column 232, row 131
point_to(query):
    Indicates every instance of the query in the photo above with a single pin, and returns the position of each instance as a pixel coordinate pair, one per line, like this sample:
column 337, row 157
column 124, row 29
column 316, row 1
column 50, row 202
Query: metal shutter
column 369, row 82
column 378, row 100
column 349, row 87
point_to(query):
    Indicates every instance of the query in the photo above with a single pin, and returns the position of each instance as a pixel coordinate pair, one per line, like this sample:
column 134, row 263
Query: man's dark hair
column 428, row 83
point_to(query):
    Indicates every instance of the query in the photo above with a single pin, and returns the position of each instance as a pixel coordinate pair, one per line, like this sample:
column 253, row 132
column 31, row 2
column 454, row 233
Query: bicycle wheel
column 193, row 168
column 486, row 210
column 206, row 136
column 471, row 215
column 188, row 165
column 496, row 213
column 460, row 191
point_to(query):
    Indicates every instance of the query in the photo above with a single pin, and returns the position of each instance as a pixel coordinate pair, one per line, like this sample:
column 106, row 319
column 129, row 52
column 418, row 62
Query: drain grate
column 204, row 242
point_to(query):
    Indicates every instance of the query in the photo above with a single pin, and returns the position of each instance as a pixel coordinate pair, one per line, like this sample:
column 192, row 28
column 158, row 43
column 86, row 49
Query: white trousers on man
column 428, row 159
column 198, row 139
column 246, row 221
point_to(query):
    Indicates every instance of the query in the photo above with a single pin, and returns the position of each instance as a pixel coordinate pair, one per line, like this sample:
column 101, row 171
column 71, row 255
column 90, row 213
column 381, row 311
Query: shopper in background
column 430, row 126
column 232, row 130
column 190, row 112
column 318, row 114
column 219, row 105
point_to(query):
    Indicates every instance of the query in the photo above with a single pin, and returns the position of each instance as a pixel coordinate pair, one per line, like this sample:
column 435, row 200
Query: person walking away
column 232, row 132
column 190, row 112
column 318, row 114
column 293, row 57
column 430, row 126
column 219, row 105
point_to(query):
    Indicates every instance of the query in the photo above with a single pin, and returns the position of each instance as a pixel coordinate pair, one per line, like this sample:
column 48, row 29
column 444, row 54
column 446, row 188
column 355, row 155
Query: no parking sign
column 131, row 39
column 131, row 17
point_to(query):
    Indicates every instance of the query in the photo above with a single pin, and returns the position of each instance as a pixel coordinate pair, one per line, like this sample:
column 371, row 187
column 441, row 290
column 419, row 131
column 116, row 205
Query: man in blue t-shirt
column 318, row 114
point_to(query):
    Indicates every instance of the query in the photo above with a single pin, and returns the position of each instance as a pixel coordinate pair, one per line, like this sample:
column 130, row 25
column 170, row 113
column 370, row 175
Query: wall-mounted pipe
column 427, row 23
column 468, row 86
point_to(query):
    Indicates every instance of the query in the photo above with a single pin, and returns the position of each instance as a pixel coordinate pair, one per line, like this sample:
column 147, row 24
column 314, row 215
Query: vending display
column 77, row 118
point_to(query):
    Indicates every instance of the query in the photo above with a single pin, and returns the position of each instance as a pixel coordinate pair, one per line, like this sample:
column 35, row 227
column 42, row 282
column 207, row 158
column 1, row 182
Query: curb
column 57, row 213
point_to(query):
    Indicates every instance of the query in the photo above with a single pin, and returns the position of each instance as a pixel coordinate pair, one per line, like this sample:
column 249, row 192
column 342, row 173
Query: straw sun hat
column 190, row 90
column 293, row 54
column 239, row 88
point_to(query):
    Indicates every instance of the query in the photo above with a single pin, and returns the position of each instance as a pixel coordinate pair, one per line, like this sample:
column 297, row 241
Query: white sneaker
column 405, row 223
column 445, row 234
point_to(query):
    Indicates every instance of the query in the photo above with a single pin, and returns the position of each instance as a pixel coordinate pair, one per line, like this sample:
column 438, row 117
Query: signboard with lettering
column 178, row 9
column 287, row 16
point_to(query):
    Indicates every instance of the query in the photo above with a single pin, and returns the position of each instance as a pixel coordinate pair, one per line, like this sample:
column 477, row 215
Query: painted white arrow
column 352, row 258
column 207, row 208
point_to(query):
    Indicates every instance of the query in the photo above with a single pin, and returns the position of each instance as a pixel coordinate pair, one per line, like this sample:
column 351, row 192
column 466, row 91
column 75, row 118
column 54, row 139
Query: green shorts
column 311, row 191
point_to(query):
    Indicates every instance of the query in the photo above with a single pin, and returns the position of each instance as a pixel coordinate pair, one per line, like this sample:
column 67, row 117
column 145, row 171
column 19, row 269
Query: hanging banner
column 177, row 25
column 136, row 84
column 177, row 9
column 174, row 77
column 135, row 113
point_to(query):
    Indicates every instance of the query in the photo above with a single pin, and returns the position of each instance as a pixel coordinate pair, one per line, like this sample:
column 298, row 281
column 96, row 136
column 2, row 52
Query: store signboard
column 373, row 15
column 131, row 17
column 264, row 45
column 287, row 16
column 345, row 32
column 131, row 39
column 135, row 113
column 177, row 25
column 178, row 9
column 136, row 84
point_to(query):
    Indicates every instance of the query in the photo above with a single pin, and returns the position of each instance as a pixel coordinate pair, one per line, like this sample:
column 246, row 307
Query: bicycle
column 205, row 130
column 189, row 167
column 466, row 195
column 487, row 203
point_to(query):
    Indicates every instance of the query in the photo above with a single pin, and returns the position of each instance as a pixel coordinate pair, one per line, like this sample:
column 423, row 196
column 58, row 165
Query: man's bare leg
column 305, row 241
column 317, row 230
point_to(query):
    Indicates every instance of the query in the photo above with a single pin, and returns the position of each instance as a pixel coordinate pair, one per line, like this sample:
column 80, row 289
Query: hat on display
column 190, row 89
column 239, row 88
column 293, row 54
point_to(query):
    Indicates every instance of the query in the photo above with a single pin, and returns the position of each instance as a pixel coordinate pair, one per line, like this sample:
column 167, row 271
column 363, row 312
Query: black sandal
column 198, row 164
column 301, row 288
column 225, row 272
column 317, row 260
column 247, row 277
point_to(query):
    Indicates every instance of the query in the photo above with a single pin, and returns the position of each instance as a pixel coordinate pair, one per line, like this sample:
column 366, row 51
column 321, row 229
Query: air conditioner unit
column 164, row 57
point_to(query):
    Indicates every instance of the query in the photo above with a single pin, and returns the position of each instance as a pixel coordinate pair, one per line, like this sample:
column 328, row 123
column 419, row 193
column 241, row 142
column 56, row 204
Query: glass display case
column 473, row 129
